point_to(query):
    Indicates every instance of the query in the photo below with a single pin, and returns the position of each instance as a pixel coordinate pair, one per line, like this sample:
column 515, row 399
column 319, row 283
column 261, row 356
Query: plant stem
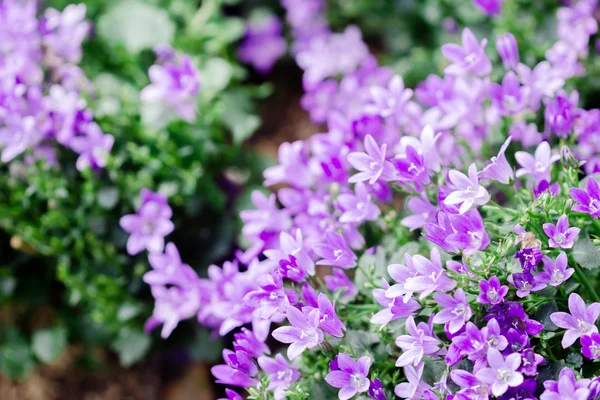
column 584, row 280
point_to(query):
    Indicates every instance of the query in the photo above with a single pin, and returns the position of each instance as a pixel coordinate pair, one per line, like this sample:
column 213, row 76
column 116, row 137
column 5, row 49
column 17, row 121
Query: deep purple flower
column 149, row 226
column 303, row 333
column 339, row 280
column 247, row 341
column 530, row 361
column 555, row 273
column 232, row 395
column 470, row 58
column 376, row 390
column 544, row 187
column 415, row 387
column 538, row 166
column 491, row 291
column 281, row 374
column 560, row 113
column 329, row 321
column 489, row 7
column 525, row 283
column 270, row 299
column 499, row 169
column 415, row 345
column 474, row 342
column 263, row 44
column 411, row 168
column 357, row 207
column 390, row 101
column 508, row 50
column 351, row 376
column 560, row 234
column 372, row 164
column 467, row 190
column 580, row 322
column 590, row 345
column 502, row 373
column 566, row 388
column 239, row 369
column 529, row 258
column 336, row 252
column 456, row 310
column 588, row 201
column 511, row 315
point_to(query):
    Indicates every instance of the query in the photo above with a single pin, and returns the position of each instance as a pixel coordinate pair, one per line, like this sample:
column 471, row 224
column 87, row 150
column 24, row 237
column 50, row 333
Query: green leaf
column 48, row 344
column 586, row 254
column 136, row 25
column 108, row 197
column 132, row 346
column 204, row 347
column 15, row 356
column 543, row 315
column 215, row 75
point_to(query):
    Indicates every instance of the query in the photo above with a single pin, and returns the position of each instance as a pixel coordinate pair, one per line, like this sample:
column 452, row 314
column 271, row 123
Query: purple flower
column 173, row 304
column 320, row 100
column 372, row 164
column 561, row 113
column 456, row 310
column 555, row 273
column 339, row 280
column 391, row 101
column 580, row 322
column 566, row 388
column 394, row 308
column 336, row 252
column 474, row 343
column 292, row 168
column 239, row 369
column 281, row 374
column 588, row 201
column 525, row 283
column 529, row 258
column 474, row 389
column 590, row 345
column 247, row 341
column 502, row 373
column 439, row 232
column 262, row 45
column 528, row 135
column 543, row 81
column 415, row 387
column 560, row 234
column 149, row 226
column 167, row 269
column 511, row 315
column 93, row 147
column 376, row 390
column 351, row 376
column 508, row 50
column 544, row 187
column 491, row 291
column 538, row 166
column 530, row 361
column 468, row 191
column 499, row 169
column 63, row 33
column 469, row 233
column 489, row 7
column 232, row 395
column 329, row 322
column 411, row 168
column 423, row 211
column 270, row 300
column 416, row 344
column 470, row 58
column 357, row 208
column 304, row 332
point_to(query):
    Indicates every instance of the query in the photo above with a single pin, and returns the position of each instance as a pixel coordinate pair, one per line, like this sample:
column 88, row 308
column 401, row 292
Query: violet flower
column 376, row 390
column 329, row 321
column 581, row 320
column 411, row 168
column 566, row 388
column 456, row 310
column 303, row 333
column 474, row 388
column 588, row 201
column 239, row 369
column 489, row 7
column 502, row 373
column 507, row 48
column 491, row 291
column 468, row 191
column 336, row 252
column 389, row 102
column 351, row 376
column 525, row 133
column 415, row 345
column 470, row 58
column 423, row 211
column 93, row 147
column 357, row 208
column 510, row 97
column 499, row 169
column 292, row 168
column 474, row 342
column 394, row 308
column 149, row 225
column 561, row 113
column 530, row 361
column 469, row 234
column 539, row 165
column 232, row 395
column 372, row 164
column 525, row 283
column 560, row 234
column 263, row 44
column 281, row 374
column 590, row 346
column 555, row 273
column 247, row 341
column 415, row 387
column 339, row 280
column 529, row 258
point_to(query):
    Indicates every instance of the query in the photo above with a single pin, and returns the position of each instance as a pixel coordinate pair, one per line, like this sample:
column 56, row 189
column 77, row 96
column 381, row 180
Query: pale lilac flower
column 247, row 341
column 470, row 58
column 491, row 291
column 93, row 147
column 580, row 322
column 499, row 169
column 416, row 344
column 263, row 44
column 555, row 273
column 543, row 81
column 560, row 234
column 590, row 345
column 566, row 388
column 474, row 389
column 372, row 164
column 149, row 226
column 411, row 168
column 528, row 135
column 502, row 373
column 357, row 207
column 63, row 33
column 336, row 252
column 270, row 300
column 468, row 233
column 232, row 395
column 588, row 201
column 423, row 211
column 292, row 168
column 303, row 333
column 173, row 304
column 467, row 190
column 415, row 387
column 292, row 257
column 509, row 98
column 239, row 369
column 339, row 280
column 167, row 269
column 393, row 308
column 390, row 101
column 538, row 165
column 281, row 374
column 489, row 7
column 561, row 113
column 320, row 100
column 456, row 310
column 508, row 50
column 329, row 322
column 350, row 376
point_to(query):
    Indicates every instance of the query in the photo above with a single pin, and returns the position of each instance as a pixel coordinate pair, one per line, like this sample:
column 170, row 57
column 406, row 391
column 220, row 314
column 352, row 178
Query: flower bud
column 508, row 50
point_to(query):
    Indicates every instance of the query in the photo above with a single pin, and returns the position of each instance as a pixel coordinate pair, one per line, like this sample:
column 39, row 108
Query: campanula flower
column 560, row 234
column 581, row 320
column 303, row 333
column 588, row 200
column 470, row 58
column 372, row 165
column 502, row 373
column 456, row 310
column 281, row 374
column 507, row 48
column 467, row 190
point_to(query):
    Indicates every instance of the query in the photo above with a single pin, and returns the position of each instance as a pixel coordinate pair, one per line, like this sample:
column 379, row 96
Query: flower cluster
column 500, row 226
column 42, row 89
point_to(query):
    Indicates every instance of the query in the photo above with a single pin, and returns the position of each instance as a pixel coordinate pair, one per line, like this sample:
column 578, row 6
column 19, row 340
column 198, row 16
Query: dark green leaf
column 48, row 344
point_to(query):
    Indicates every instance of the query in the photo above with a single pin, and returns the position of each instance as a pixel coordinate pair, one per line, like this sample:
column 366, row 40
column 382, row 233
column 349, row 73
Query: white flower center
column 504, row 374
column 560, row 238
column 357, row 380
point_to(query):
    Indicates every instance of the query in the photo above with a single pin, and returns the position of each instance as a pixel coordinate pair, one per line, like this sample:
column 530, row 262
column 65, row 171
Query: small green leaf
column 48, row 344
column 131, row 345
column 108, row 197
column 586, row 254
column 215, row 75
column 543, row 315
column 15, row 356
